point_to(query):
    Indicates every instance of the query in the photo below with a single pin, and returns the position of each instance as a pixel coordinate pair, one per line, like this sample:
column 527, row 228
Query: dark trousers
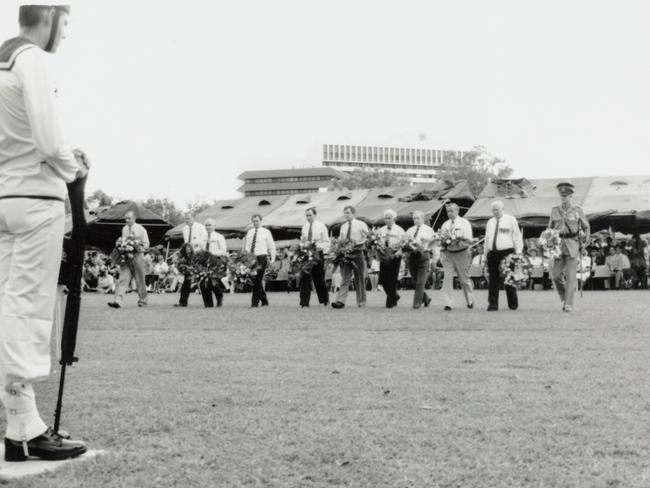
column 388, row 274
column 317, row 275
column 208, row 289
column 493, row 261
column 259, row 295
column 419, row 269
column 186, row 288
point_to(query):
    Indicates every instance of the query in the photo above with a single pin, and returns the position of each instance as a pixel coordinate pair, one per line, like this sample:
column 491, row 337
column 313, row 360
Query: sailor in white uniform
column 36, row 162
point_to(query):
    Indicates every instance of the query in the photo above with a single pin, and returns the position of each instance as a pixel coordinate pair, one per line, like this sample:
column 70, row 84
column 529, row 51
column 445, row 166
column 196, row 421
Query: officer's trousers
column 564, row 273
column 31, row 239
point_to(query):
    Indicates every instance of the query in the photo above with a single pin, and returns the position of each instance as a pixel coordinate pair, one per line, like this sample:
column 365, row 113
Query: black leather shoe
column 471, row 305
column 492, row 309
column 47, row 447
column 113, row 304
column 447, row 308
column 220, row 303
column 180, row 305
column 338, row 305
column 426, row 304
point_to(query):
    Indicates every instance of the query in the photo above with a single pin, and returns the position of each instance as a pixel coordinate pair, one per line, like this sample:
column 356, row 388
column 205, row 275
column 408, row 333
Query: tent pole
column 439, row 212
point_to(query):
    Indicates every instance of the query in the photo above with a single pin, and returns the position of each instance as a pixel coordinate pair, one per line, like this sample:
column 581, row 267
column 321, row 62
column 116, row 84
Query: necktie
column 496, row 233
column 189, row 237
column 417, row 229
column 349, row 234
column 309, row 234
column 388, row 229
column 254, row 241
column 207, row 243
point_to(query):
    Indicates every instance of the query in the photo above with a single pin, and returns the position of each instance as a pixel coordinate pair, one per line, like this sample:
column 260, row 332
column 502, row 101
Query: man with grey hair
column 502, row 237
column 215, row 243
column 456, row 257
column 419, row 259
column 391, row 234
column 135, row 268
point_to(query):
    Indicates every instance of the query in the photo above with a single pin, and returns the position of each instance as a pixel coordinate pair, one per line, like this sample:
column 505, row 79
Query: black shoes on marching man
column 48, row 446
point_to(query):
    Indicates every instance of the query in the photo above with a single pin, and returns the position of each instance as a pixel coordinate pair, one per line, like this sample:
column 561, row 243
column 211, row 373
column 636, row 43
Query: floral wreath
column 515, row 269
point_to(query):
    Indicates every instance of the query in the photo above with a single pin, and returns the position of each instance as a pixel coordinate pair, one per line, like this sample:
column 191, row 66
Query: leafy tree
column 198, row 206
column 364, row 178
column 102, row 198
column 165, row 208
column 476, row 166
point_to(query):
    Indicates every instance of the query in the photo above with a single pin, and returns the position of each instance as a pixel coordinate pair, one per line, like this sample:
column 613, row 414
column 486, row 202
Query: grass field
column 290, row 397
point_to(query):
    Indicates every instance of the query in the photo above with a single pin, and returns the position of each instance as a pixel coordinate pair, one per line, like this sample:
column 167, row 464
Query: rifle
column 70, row 275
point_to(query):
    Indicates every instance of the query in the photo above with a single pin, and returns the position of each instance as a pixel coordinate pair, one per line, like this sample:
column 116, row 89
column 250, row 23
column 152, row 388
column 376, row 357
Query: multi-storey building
column 287, row 181
column 420, row 165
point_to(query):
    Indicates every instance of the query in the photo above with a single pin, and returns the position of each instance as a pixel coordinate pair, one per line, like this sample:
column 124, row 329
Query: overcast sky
column 177, row 98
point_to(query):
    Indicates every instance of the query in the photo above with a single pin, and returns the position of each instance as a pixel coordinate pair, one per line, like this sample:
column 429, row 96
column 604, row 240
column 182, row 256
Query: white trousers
column 460, row 263
column 31, row 237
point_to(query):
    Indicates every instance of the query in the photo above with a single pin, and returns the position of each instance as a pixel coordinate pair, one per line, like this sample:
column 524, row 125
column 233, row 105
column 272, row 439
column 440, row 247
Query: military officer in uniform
column 570, row 221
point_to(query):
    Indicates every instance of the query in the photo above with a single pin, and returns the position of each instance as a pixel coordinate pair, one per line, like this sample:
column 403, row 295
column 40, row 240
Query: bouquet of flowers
column 449, row 239
column 515, row 269
column 304, row 257
column 242, row 267
column 126, row 249
column 343, row 252
column 550, row 242
column 408, row 245
column 208, row 267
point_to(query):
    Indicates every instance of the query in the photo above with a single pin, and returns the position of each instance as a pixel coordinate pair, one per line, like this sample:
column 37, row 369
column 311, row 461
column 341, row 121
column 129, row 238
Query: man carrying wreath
column 418, row 260
column 355, row 231
column 389, row 265
column 570, row 221
column 215, row 244
column 314, row 232
column 133, row 268
column 456, row 256
column 502, row 238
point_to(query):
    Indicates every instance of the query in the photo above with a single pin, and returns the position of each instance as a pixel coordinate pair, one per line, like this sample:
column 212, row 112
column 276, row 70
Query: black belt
column 33, row 197
column 569, row 236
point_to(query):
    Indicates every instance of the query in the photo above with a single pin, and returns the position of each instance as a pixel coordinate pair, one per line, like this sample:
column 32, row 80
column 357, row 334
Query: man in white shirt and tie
column 259, row 242
column 215, row 243
column 314, row 231
column 135, row 268
column 502, row 237
column 391, row 234
column 418, row 261
column 457, row 258
column 356, row 231
column 196, row 236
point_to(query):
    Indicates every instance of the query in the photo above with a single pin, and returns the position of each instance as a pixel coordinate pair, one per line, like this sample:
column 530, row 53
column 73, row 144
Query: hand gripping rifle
column 70, row 275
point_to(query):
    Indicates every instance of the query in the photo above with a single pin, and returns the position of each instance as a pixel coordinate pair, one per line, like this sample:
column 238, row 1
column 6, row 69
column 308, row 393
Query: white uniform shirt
column 264, row 244
column 460, row 226
column 358, row 233
column 394, row 234
column 137, row 231
column 35, row 158
column 508, row 235
column 216, row 244
column 318, row 234
column 199, row 236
